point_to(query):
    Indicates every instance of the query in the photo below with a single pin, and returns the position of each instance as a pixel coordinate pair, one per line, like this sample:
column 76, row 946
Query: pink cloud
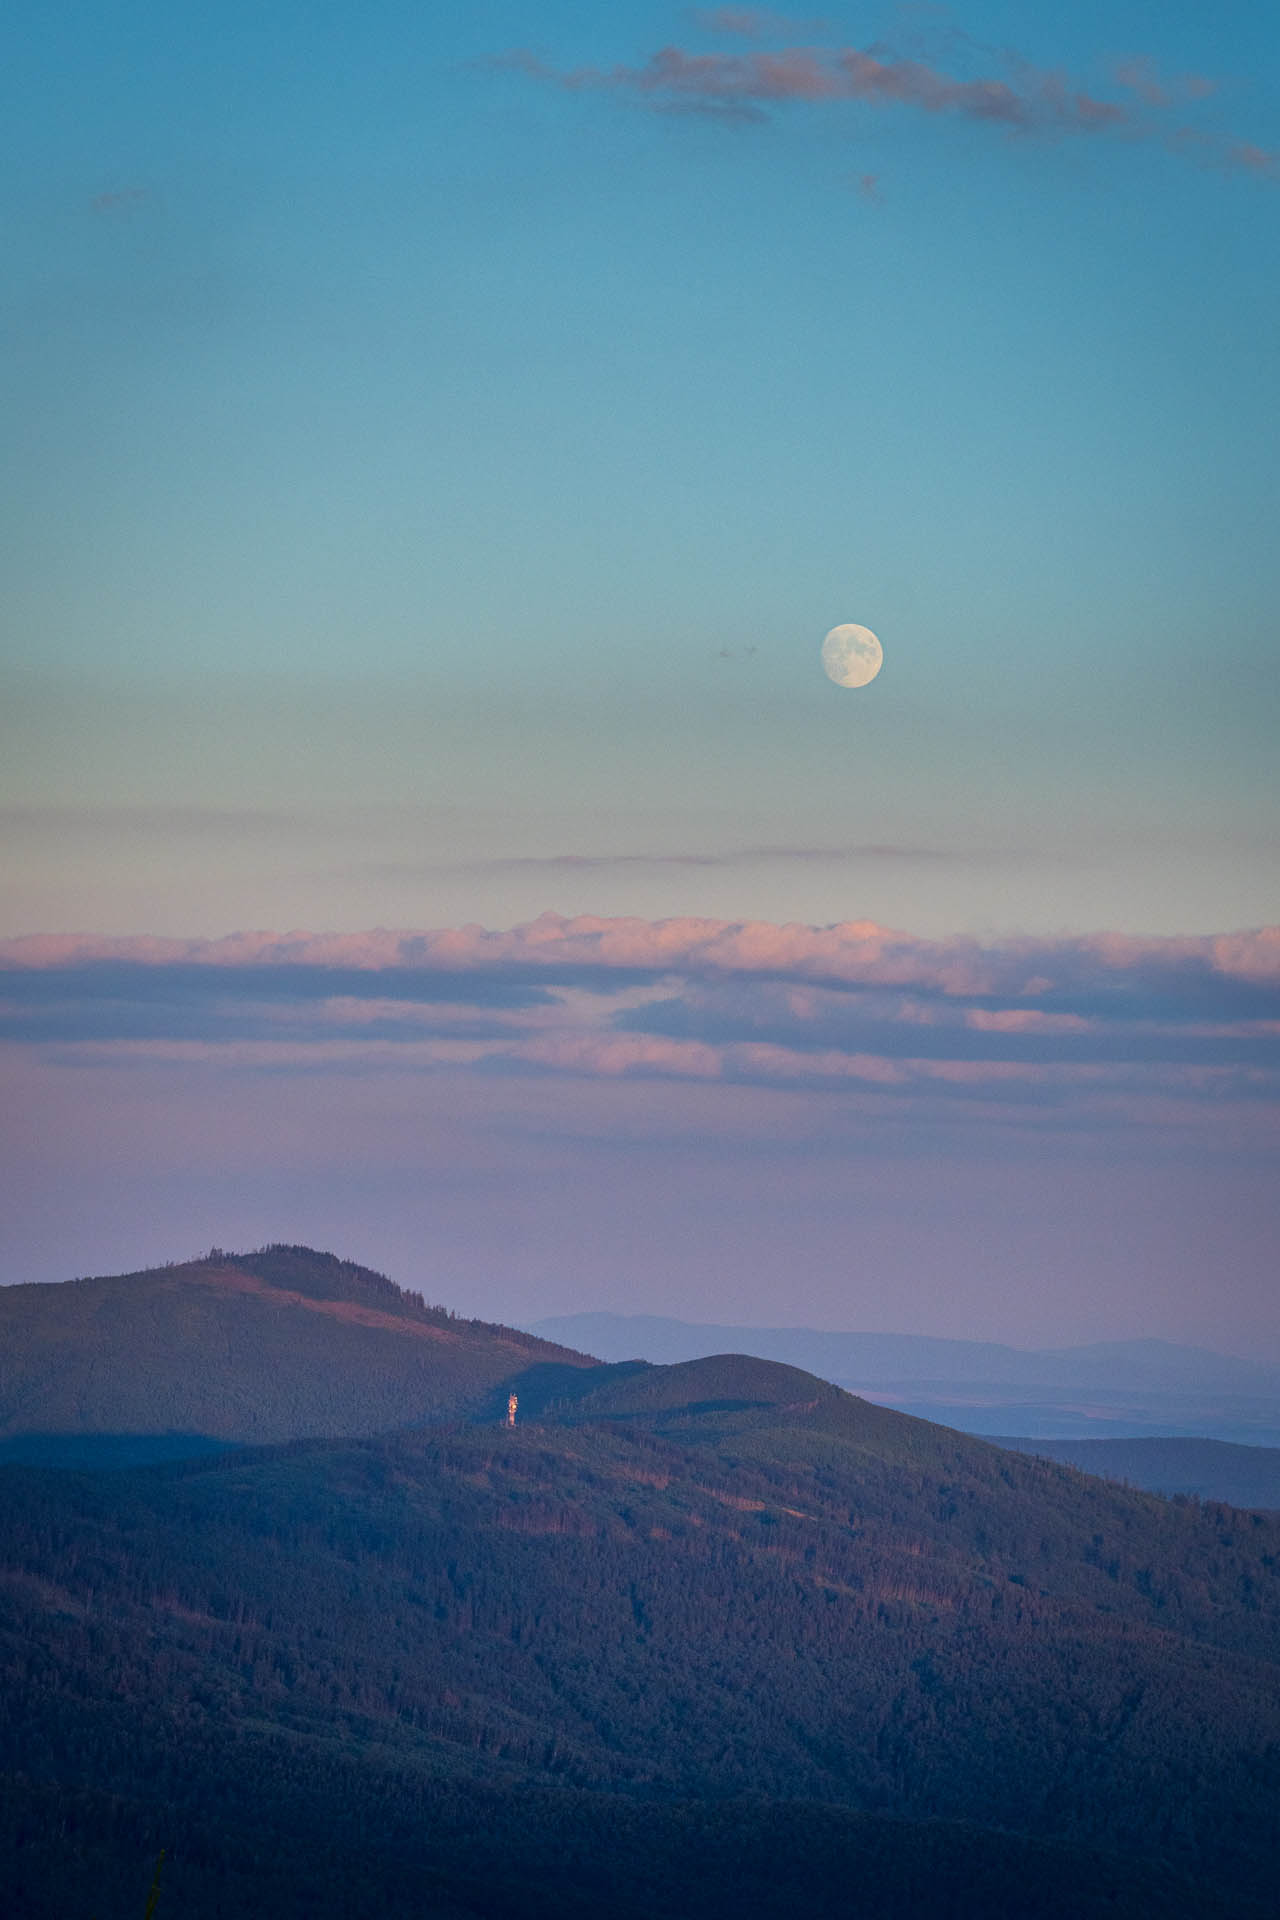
column 1022, row 98
column 851, row 952
column 1140, row 75
column 1251, row 956
column 1262, row 161
column 1024, row 1020
column 1158, row 1030
column 822, row 74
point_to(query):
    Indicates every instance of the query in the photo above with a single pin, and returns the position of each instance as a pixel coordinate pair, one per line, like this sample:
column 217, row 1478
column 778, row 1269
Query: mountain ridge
column 272, row 1345
column 1108, row 1389
column 921, row 1357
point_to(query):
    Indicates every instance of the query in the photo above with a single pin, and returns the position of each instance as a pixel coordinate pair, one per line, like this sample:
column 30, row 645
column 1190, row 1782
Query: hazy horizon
column 540, row 1323
column 1045, row 1142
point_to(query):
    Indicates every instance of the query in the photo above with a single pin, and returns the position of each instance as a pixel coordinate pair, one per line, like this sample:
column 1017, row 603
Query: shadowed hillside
column 249, row 1348
column 711, row 1638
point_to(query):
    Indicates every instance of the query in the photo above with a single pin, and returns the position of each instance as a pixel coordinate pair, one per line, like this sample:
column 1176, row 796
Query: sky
column 438, row 449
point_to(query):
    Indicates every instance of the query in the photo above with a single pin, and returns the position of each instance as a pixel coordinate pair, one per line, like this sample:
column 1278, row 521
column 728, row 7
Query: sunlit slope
column 251, row 1348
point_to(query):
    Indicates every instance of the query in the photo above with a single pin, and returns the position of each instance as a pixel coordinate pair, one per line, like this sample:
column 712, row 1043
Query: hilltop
column 247, row 1348
column 1114, row 1389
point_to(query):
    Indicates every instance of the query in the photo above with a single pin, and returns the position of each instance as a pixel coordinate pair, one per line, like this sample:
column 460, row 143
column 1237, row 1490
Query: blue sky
column 380, row 399
column 442, row 444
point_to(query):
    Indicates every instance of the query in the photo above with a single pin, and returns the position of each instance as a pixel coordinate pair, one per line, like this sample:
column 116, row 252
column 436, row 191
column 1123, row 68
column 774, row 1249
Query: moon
column 851, row 656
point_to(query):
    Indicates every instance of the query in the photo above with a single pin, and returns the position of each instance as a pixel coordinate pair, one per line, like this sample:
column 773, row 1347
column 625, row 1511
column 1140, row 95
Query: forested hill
column 714, row 1638
column 266, row 1346
column 1111, row 1390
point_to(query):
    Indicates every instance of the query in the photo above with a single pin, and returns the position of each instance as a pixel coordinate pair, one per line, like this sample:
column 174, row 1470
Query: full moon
column 851, row 656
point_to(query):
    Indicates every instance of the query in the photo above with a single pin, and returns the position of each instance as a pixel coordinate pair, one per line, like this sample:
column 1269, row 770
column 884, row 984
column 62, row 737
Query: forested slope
column 266, row 1346
column 703, row 1638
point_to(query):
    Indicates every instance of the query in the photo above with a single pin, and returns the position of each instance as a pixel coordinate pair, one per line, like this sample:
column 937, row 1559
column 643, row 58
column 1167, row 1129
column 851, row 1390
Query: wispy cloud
column 119, row 200
column 1014, row 93
column 698, row 860
column 754, row 81
column 754, row 23
column 1263, row 162
column 1140, row 75
column 739, row 857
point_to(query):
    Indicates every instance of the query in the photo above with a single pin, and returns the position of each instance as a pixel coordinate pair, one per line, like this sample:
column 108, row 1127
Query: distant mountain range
column 1113, row 1390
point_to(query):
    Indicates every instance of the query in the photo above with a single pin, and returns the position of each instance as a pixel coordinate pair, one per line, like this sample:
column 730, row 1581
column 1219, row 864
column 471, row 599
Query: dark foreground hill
column 712, row 1639
column 265, row 1346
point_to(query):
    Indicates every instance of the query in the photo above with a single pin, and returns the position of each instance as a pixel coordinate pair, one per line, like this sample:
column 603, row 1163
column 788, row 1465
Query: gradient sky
column 438, row 448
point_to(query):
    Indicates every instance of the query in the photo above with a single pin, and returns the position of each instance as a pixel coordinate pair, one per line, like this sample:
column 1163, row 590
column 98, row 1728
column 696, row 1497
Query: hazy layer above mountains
column 886, row 1357
column 1112, row 1390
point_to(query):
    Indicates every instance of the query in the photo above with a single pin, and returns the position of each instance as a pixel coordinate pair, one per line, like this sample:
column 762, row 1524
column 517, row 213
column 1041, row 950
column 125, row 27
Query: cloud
column 849, row 953
column 735, row 857
column 1017, row 95
column 1264, row 162
column 755, row 81
column 1217, row 154
column 1164, row 1027
column 754, row 23
column 726, row 859
column 1140, row 75
column 120, row 200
